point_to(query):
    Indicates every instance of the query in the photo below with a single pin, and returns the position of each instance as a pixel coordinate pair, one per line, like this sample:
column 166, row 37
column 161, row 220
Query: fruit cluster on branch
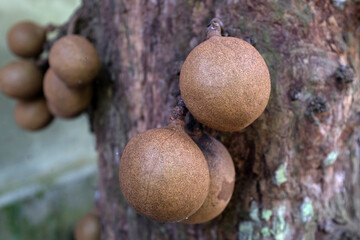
column 171, row 174
column 167, row 174
column 66, row 89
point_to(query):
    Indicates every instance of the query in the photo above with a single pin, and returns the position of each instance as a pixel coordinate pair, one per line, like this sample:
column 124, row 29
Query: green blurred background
column 47, row 178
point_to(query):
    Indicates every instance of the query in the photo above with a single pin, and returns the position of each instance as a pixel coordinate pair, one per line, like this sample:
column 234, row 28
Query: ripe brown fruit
column 66, row 102
column 163, row 174
column 225, row 83
column 58, row 113
column 75, row 60
column 222, row 179
column 21, row 79
column 32, row 115
column 26, row 39
column 88, row 228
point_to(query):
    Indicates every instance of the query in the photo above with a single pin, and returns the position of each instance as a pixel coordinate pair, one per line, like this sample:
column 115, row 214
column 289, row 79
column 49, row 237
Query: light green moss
column 265, row 231
column 330, row 158
column 257, row 236
column 266, row 214
column 280, row 175
column 254, row 212
column 246, row 230
column 280, row 228
column 306, row 210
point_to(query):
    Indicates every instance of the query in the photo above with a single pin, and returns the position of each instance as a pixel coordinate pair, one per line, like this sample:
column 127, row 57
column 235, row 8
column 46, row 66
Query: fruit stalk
column 73, row 21
column 178, row 113
column 194, row 128
column 214, row 28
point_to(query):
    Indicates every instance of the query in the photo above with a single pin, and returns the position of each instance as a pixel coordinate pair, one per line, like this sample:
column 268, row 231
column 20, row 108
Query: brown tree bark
column 298, row 165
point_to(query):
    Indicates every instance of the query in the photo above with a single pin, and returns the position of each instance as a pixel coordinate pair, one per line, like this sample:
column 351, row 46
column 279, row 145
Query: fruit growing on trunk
column 75, row 60
column 225, row 83
column 88, row 228
column 163, row 174
column 68, row 102
column 21, row 79
column 26, row 39
column 33, row 114
column 222, row 179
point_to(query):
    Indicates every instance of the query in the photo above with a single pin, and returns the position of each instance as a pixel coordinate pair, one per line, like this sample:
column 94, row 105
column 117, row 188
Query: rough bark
column 298, row 165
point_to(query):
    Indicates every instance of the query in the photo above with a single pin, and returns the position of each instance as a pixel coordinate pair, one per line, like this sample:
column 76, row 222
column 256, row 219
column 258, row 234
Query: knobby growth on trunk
column 297, row 166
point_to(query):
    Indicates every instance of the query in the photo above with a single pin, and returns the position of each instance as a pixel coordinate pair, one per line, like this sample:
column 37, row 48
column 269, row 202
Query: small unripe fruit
column 21, row 79
column 88, row 228
column 75, row 60
column 163, row 174
column 32, row 115
column 66, row 102
column 222, row 179
column 225, row 83
column 26, row 39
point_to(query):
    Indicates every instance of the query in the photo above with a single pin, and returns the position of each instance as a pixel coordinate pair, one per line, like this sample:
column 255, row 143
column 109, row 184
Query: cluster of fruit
column 73, row 62
column 169, row 176
column 22, row 79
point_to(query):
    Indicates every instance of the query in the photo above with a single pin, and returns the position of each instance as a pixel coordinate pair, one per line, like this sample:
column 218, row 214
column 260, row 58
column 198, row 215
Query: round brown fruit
column 21, row 79
column 225, row 83
column 58, row 113
column 222, row 179
column 75, row 60
column 88, row 228
column 32, row 115
column 163, row 174
column 26, row 39
column 66, row 102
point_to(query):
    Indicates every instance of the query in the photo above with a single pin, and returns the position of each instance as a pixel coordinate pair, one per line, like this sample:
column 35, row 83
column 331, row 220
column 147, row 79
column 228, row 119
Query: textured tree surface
column 298, row 165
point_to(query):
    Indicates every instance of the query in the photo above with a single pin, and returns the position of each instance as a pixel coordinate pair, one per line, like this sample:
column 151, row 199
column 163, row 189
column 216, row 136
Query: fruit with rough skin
column 75, row 60
column 32, row 115
column 88, row 228
column 225, row 83
column 163, row 174
column 21, row 79
column 26, row 39
column 222, row 179
column 67, row 102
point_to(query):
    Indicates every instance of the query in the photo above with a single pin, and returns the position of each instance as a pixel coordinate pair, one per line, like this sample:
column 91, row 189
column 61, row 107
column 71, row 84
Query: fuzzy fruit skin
column 21, row 79
column 32, row 115
column 26, row 39
column 163, row 174
column 68, row 102
column 222, row 179
column 75, row 60
column 225, row 83
column 88, row 228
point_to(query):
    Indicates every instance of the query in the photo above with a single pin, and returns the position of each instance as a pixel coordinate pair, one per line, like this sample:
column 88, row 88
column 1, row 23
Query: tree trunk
column 297, row 166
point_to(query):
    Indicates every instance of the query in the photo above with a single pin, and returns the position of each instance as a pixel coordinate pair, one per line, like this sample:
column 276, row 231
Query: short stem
column 178, row 113
column 214, row 28
column 52, row 27
column 42, row 64
column 194, row 128
column 73, row 20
